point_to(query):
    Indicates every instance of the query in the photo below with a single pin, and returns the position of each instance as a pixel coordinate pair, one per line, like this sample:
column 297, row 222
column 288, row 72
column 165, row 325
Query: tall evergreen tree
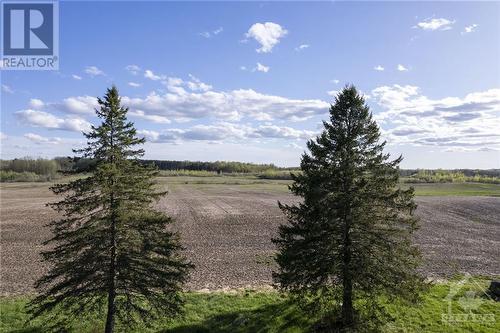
column 111, row 249
column 350, row 237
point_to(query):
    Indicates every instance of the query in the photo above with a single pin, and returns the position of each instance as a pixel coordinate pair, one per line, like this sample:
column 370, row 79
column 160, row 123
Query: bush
column 276, row 174
column 192, row 173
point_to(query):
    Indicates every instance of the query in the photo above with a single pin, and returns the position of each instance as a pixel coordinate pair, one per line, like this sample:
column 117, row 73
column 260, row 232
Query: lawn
column 268, row 311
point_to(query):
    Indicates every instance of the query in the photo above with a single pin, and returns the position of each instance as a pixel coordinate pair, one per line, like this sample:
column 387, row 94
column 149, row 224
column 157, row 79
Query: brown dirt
column 226, row 230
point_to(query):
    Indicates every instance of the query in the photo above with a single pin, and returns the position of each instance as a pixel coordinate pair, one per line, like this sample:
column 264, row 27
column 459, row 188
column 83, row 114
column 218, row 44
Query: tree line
column 218, row 166
column 452, row 176
column 30, row 169
column 50, row 167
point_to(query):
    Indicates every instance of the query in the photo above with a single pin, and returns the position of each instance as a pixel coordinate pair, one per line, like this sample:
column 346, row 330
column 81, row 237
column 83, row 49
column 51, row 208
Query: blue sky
column 252, row 81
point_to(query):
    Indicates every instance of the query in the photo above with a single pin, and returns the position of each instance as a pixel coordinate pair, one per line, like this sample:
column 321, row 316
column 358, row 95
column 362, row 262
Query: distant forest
column 32, row 170
column 219, row 166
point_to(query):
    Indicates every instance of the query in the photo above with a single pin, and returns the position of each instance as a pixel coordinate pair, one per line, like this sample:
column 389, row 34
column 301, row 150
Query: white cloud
column 3, row 136
column 153, row 118
column 284, row 132
column 148, row 74
column 470, row 28
column 7, row 89
column 46, row 120
column 79, row 105
column 76, row 77
column 133, row 69
column 243, row 68
column 39, row 118
column 302, row 47
column 267, row 35
column 174, row 85
column 295, row 146
column 209, row 34
column 402, row 68
column 38, row 139
column 179, row 105
column 174, row 81
column 36, row 103
column 151, row 136
column 261, row 68
column 435, row 24
column 332, row 93
column 336, row 81
column 183, row 101
column 195, row 84
column 379, row 68
column 94, row 71
column 395, row 97
column 134, row 84
column 408, row 117
column 226, row 132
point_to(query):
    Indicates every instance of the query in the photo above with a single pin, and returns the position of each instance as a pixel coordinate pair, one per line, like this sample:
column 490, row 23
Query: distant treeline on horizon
column 217, row 166
column 30, row 169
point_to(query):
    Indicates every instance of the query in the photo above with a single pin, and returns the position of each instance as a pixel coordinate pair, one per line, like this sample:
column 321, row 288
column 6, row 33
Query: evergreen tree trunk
column 110, row 318
column 347, row 308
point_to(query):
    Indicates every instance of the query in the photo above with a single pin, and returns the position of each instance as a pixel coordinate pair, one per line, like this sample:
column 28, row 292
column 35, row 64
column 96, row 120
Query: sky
column 252, row 81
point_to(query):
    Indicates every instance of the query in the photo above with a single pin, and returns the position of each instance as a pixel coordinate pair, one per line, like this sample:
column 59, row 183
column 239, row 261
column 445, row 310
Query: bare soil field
column 226, row 228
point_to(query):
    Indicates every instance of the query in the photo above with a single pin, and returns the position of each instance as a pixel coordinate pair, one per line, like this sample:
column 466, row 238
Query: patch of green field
column 218, row 183
column 455, row 189
column 268, row 311
column 221, row 180
column 252, row 183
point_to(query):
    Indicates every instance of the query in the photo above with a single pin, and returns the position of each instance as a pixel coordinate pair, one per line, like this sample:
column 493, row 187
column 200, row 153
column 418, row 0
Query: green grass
column 256, row 184
column 455, row 189
column 218, row 183
column 253, row 183
column 269, row 311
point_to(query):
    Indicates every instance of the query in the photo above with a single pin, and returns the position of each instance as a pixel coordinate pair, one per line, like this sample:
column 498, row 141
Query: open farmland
column 226, row 224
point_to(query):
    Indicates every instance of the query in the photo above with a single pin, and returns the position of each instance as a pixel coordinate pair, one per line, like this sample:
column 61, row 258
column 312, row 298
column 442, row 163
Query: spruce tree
column 350, row 237
column 111, row 250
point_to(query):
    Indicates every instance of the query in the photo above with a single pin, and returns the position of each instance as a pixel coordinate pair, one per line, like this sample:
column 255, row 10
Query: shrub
column 276, row 174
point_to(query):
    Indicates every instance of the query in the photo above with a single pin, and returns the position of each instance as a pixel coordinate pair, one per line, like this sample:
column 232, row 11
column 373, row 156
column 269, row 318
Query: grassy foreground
column 259, row 311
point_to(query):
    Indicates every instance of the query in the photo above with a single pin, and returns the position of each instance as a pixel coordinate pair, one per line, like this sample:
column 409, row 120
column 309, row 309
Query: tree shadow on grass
column 283, row 317
column 28, row 330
